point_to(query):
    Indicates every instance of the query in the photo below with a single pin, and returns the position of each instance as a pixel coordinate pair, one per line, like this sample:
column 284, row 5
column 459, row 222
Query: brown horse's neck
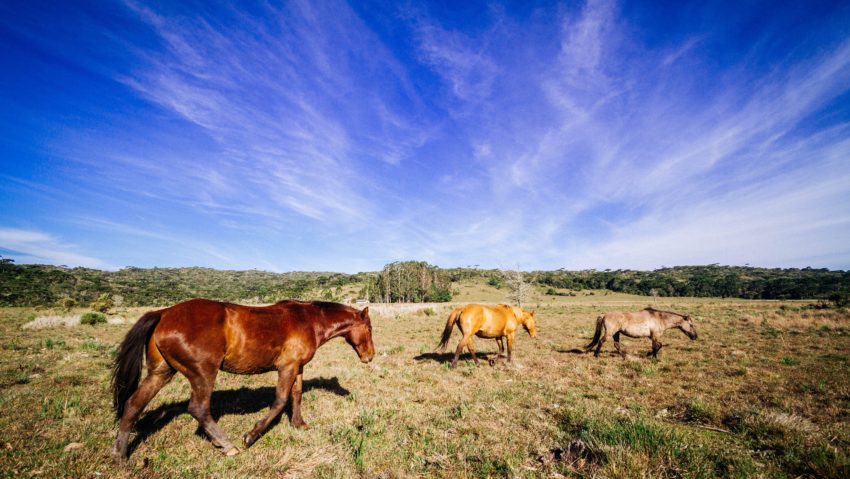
column 333, row 325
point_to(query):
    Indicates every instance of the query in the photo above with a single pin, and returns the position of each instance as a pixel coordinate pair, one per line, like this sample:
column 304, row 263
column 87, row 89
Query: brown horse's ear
column 365, row 313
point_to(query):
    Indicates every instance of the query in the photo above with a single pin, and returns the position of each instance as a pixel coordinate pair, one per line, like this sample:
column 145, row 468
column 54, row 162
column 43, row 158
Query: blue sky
column 340, row 137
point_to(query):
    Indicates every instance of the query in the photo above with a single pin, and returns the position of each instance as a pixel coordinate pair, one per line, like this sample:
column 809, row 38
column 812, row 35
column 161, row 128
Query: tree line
column 407, row 281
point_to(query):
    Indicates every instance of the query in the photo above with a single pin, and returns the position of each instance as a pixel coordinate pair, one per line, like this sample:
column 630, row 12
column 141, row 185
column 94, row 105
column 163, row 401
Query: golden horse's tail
column 600, row 323
column 447, row 333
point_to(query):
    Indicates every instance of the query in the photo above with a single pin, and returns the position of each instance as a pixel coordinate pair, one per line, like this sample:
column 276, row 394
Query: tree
column 518, row 289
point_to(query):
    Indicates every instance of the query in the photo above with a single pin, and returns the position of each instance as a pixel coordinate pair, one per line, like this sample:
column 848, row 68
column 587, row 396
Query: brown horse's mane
column 653, row 310
column 326, row 305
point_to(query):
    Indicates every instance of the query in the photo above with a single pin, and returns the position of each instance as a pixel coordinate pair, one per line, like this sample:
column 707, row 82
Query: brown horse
column 200, row 337
column 649, row 323
column 495, row 322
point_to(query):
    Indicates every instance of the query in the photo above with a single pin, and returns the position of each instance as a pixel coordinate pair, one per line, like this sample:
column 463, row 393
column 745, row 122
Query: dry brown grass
column 773, row 376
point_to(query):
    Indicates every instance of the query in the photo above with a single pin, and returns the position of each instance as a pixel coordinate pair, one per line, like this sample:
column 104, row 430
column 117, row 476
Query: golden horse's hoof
column 231, row 452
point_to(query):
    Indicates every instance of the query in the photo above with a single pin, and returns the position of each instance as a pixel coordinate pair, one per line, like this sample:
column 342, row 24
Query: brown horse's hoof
column 120, row 458
column 231, row 452
column 248, row 439
column 492, row 362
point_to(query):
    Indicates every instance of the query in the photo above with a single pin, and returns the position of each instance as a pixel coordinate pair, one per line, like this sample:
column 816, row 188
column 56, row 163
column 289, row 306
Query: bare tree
column 519, row 290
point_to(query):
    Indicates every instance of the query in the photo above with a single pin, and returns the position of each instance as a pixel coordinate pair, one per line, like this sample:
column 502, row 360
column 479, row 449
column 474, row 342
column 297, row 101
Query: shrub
column 67, row 303
column 93, row 318
column 103, row 303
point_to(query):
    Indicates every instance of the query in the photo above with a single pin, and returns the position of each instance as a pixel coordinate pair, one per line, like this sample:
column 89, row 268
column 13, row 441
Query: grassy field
column 764, row 392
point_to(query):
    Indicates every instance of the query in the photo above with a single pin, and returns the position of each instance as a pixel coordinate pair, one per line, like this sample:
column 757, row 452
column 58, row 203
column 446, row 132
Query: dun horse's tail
column 447, row 333
column 128, row 364
column 600, row 323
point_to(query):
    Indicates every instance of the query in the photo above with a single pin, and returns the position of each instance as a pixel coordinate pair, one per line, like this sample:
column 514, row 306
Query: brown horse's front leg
column 510, row 347
column 285, row 379
column 297, row 389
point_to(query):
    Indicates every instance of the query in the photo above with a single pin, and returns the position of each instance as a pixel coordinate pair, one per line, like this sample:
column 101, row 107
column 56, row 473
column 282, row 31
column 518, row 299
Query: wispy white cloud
column 296, row 125
column 32, row 246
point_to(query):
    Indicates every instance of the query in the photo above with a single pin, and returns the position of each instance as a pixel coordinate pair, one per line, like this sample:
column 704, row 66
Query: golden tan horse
column 649, row 323
column 492, row 322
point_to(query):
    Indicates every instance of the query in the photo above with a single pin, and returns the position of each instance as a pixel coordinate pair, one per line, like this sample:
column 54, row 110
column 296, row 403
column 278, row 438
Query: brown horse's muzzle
column 368, row 355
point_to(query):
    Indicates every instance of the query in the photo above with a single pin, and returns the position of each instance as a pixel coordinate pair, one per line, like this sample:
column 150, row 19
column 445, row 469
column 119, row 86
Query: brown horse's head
column 528, row 323
column 687, row 327
column 359, row 336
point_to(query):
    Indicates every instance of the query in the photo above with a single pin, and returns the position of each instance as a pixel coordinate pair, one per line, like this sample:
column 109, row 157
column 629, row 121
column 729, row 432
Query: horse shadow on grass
column 448, row 357
column 231, row 401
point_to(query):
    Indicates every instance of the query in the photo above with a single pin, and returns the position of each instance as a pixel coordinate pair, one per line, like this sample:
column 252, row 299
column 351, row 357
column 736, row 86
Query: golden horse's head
column 528, row 323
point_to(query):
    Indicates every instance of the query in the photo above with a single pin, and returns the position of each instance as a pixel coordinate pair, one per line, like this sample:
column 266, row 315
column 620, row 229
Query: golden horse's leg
column 459, row 350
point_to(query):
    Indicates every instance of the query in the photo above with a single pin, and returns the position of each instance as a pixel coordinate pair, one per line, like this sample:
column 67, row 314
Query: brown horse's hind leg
column 159, row 375
column 199, row 408
column 617, row 345
column 501, row 346
column 285, row 378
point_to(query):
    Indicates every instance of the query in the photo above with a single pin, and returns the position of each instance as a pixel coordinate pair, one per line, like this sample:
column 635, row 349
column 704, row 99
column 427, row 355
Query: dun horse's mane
column 653, row 310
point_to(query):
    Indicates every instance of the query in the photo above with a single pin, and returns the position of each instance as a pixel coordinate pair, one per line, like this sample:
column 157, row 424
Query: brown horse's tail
column 600, row 323
column 447, row 333
column 128, row 364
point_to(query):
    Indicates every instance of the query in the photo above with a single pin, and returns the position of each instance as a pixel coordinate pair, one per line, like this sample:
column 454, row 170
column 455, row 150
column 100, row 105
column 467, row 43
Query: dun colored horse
column 649, row 323
column 494, row 322
column 200, row 337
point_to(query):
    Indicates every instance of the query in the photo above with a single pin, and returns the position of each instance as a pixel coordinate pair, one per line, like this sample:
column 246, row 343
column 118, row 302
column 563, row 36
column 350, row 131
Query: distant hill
column 411, row 281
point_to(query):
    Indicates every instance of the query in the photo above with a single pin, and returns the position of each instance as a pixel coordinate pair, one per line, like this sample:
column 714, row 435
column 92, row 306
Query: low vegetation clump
column 92, row 318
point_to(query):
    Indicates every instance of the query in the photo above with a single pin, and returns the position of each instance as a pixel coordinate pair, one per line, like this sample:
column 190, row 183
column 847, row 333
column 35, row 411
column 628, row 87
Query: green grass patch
column 664, row 451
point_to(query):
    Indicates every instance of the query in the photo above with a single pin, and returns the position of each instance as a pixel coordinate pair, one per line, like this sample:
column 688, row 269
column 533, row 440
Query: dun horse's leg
column 656, row 346
column 501, row 346
column 199, row 408
column 617, row 345
column 510, row 347
column 601, row 342
column 297, row 389
column 153, row 382
column 285, row 379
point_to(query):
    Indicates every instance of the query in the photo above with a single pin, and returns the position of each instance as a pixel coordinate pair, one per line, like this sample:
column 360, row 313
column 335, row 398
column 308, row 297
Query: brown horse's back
column 239, row 339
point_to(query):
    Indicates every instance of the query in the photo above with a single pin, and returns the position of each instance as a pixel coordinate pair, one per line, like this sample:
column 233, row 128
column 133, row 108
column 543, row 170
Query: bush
column 67, row 303
column 103, row 303
column 93, row 318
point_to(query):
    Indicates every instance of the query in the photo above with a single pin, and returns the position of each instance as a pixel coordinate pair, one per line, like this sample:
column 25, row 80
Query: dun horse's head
column 360, row 336
column 528, row 323
column 687, row 327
